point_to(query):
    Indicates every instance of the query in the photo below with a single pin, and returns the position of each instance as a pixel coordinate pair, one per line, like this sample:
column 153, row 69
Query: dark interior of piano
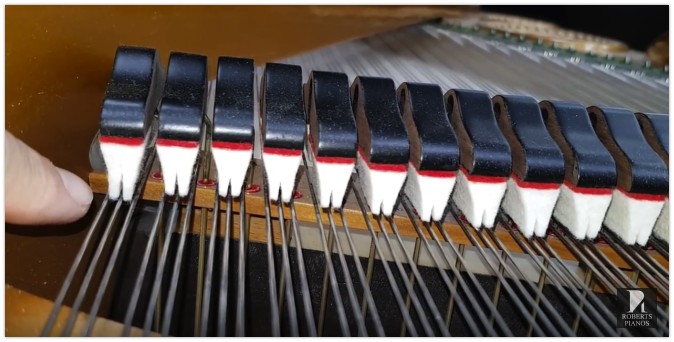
column 328, row 171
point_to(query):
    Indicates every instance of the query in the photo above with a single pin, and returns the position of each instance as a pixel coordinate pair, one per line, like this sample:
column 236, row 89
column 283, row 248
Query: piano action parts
column 332, row 138
column 415, row 146
column 127, row 124
column 383, row 143
column 485, row 156
column 535, row 161
column 181, row 120
column 643, row 177
column 538, row 164
column 233, row 136
column 655, row 128
column 434, row 149
column 283, row 127
column 589, row 169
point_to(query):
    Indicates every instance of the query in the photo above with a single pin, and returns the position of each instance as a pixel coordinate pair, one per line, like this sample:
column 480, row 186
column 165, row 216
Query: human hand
column 37, row 192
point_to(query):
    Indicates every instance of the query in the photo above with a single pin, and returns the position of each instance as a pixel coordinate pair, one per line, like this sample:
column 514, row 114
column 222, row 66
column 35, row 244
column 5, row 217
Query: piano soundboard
column 429, row 125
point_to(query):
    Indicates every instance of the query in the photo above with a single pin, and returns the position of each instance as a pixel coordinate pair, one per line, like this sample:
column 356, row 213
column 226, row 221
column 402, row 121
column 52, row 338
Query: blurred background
column 636, row 26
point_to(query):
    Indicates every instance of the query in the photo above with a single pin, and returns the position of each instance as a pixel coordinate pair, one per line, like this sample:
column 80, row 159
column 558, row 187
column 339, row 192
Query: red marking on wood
column 552, row 233
column 463, row 219
column 297, row 195
column 206, row 182
column 157, row 176
column 252, row 189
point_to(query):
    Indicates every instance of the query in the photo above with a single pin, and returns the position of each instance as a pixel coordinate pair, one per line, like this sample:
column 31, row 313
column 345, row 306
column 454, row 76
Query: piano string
column 294, row 316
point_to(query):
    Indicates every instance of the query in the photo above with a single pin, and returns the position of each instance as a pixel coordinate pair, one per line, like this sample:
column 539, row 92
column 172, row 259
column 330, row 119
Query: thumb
column 37, row 192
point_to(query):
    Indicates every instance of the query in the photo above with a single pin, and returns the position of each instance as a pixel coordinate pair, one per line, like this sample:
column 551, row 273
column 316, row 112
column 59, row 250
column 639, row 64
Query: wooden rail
column 255, row 207
column 26, row 314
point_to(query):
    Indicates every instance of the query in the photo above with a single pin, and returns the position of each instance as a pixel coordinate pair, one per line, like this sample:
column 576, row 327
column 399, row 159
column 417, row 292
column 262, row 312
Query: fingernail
column 77, row 188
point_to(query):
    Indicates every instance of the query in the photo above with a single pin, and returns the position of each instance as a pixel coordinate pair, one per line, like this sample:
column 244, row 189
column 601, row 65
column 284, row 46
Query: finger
column 37, row 192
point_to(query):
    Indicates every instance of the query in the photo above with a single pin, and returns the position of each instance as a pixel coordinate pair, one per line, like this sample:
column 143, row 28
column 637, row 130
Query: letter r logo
column 636, row 298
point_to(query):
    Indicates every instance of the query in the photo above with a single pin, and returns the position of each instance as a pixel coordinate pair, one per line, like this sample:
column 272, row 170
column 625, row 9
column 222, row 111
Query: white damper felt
column 177, row 164
column 123, row 166
column 232, row 166
column 661, row 230
column 330, row 179
column 478, row 201
column 581, row 213
column 429, row 194
column 529, row 207
column 281, row 171
column 381, row 187
column 333, row 179
column 632, row 219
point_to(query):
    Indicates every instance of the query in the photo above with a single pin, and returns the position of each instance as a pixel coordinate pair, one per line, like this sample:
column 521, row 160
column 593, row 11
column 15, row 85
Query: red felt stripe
column 121, row 141
column 329, row 160
column 232, row 146
column 643, row 197
column 588, row 191
column 282, row 152
column 482, row 179
column 435, row 174
column 382, row 167
column 532, row 185
column 177, row 143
